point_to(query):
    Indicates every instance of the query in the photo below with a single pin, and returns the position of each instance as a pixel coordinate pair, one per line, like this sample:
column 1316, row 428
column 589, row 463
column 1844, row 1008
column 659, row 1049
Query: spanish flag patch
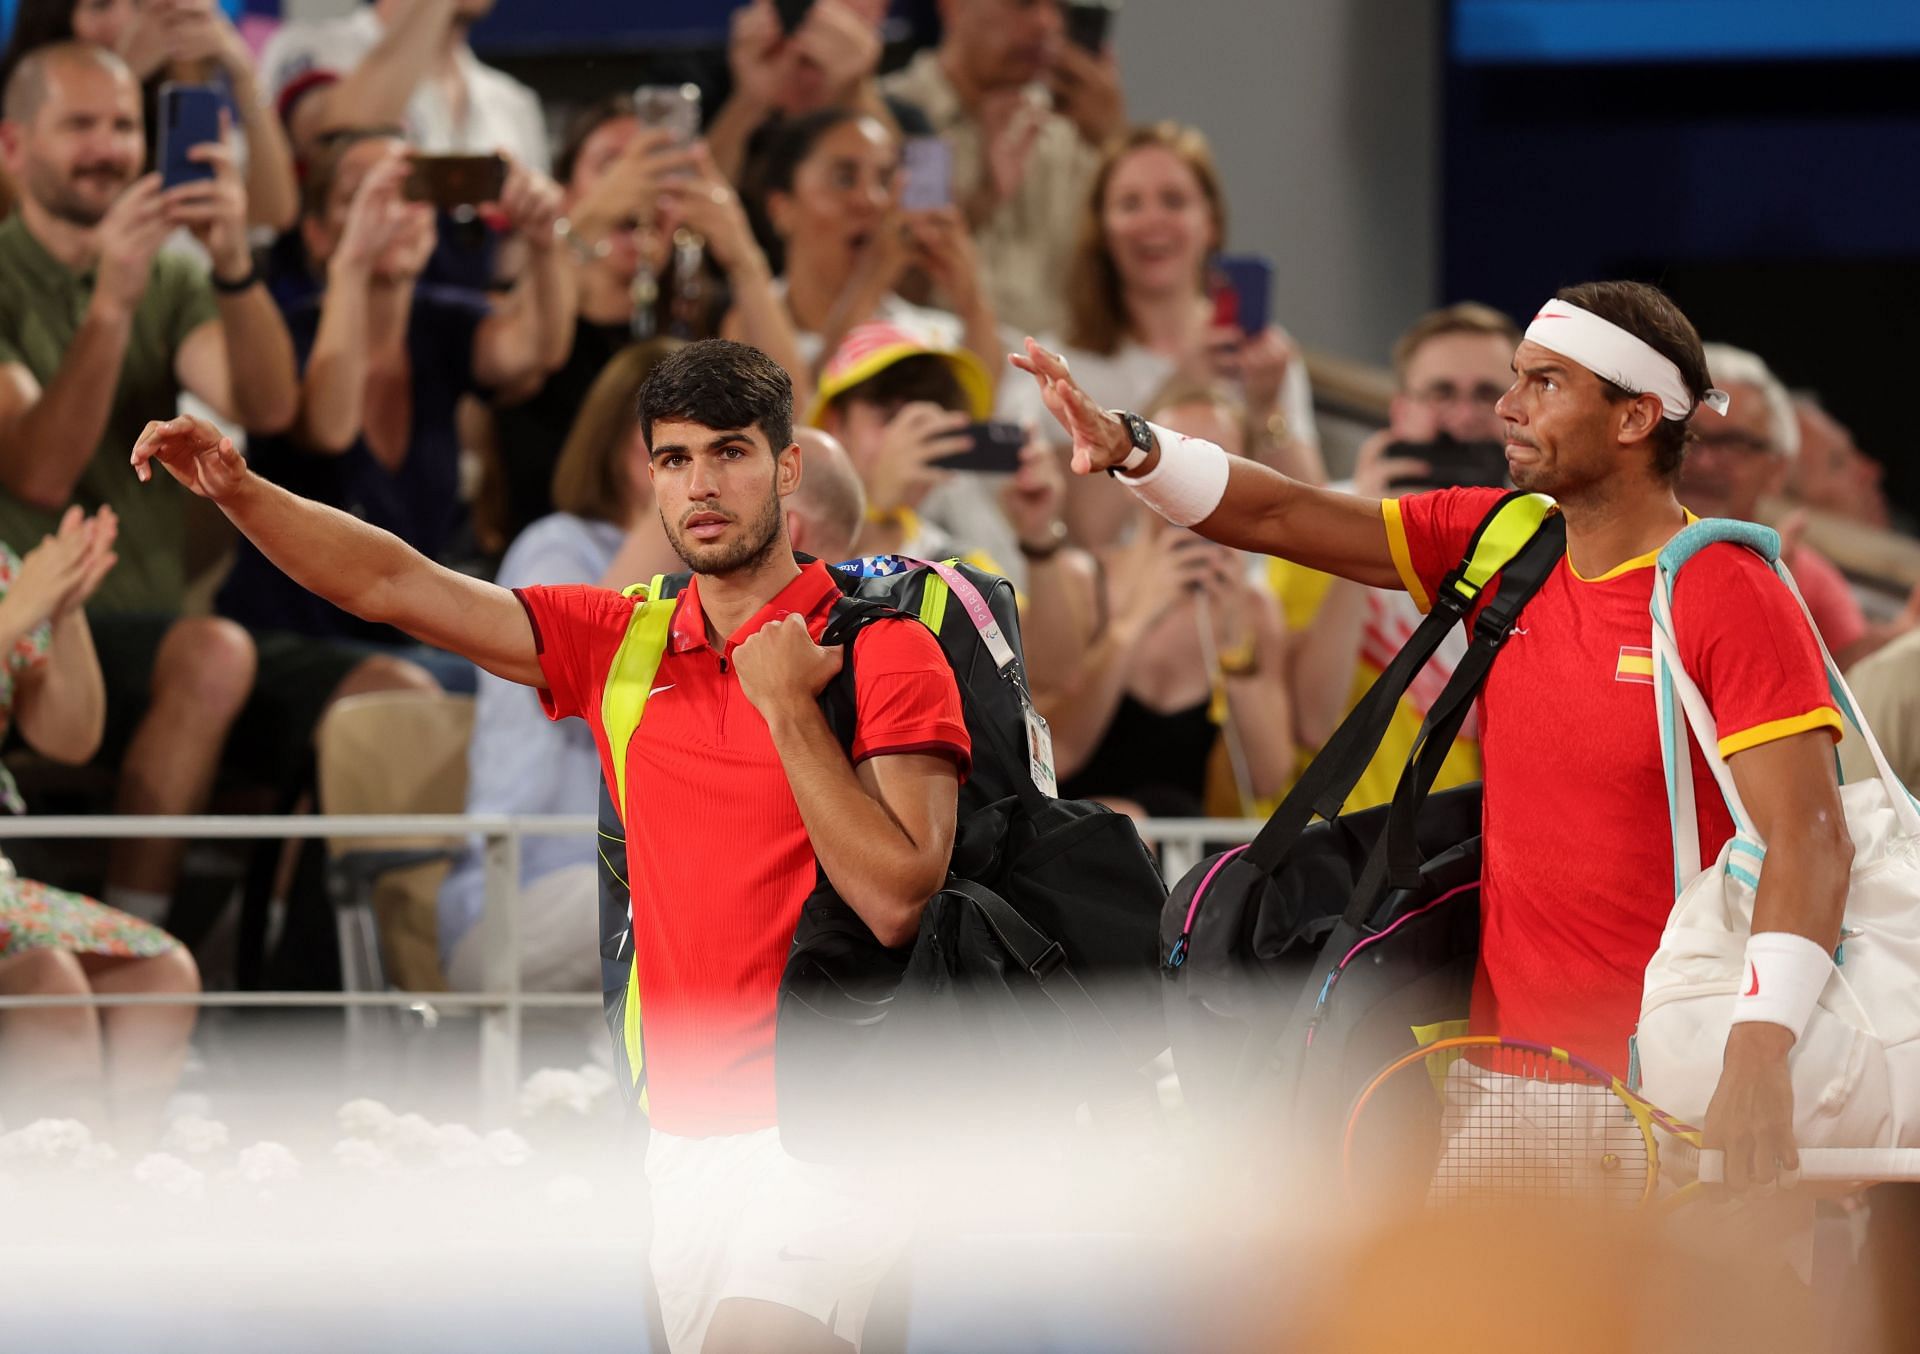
column 1636, row 665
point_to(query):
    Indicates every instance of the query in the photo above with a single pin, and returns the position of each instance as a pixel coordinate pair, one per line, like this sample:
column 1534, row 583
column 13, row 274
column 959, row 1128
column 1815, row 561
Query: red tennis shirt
column 717, row 854
column 1577, row 875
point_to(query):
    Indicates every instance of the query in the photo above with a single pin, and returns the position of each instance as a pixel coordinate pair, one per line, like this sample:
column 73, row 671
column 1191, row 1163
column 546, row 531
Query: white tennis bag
column 1856, row 1069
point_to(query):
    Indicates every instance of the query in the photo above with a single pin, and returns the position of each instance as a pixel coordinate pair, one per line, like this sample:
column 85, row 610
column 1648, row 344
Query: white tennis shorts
column 736, row 1217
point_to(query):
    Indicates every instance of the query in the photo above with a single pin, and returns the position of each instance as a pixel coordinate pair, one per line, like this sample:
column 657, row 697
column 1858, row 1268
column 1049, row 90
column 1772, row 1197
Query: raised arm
column 243, row 363
column 706, row 203
column 47, row 434
column 357, row 567
column 529, row 339
column 375, row 93
column 1259, row 509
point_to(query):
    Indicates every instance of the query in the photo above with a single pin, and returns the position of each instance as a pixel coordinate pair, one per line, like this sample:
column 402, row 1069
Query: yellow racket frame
column 1646, row 1115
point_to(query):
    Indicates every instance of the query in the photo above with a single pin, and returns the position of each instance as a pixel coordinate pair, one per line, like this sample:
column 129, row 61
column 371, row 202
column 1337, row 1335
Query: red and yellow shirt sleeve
column 576, row 629
column 905, row 696
column 1429, row 533
column 1749, row 649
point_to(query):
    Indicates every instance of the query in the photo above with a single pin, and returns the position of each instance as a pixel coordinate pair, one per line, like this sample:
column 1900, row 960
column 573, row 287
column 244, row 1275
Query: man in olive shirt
column 99, row 333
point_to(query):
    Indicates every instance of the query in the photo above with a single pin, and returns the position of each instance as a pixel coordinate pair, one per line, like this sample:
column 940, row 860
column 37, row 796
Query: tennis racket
column 1490, row 1119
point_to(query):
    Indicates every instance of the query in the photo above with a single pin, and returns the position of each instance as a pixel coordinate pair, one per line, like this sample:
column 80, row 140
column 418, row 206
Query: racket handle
column 1832, row 1164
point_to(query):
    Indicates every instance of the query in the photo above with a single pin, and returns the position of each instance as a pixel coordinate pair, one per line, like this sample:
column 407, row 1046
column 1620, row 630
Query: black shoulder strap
column 1396, row 858
column 1323, row 788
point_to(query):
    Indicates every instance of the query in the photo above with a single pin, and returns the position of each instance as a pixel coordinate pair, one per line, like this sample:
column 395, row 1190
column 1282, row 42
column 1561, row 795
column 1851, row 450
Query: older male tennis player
column 1577, row 879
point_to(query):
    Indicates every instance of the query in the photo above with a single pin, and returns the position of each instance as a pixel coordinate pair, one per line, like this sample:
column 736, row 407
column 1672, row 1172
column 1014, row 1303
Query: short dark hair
column 1650, row 315
column 718, row 383
column 923, row 377
column 773, row 169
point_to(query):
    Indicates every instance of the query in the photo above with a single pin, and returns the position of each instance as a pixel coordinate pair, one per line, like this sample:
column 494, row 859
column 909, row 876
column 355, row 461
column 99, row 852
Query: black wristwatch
column 1143, row 441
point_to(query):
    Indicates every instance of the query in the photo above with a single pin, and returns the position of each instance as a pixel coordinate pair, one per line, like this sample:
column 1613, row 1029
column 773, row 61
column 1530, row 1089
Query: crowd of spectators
column 464, row 374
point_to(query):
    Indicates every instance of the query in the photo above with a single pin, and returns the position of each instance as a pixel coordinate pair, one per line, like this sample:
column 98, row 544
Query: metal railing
column 1180, row 842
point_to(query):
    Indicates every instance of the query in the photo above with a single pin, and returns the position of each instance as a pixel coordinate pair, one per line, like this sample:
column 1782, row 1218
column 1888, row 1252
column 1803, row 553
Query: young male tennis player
column 733, row 789
column 1577, row 880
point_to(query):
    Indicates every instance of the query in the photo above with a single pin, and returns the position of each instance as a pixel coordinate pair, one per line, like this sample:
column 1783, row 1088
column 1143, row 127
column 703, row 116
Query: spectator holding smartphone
column 899, row 402
column 193, row 42
column 1026, row 112
column 826, row 60
column 1137, row 724
column 829, row 211
column 384, row 359
column 1451, row 367
column 100, row 333
column 627, row 190
column 1141, row 311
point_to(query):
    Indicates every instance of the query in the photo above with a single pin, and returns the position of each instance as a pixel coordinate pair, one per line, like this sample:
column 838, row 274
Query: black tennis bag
column 1300, row 963
column 1032, row 983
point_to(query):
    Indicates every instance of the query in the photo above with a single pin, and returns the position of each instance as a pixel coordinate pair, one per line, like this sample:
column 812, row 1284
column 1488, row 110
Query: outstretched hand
column 1100, row 440
column 194, row 452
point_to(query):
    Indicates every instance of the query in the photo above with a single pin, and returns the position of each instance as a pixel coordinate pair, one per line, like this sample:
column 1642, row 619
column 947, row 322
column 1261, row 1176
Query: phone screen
column 1248, row 278
column 1087, row 25
column 449, row 181
column 189, row 117
column 792, row 12
column 926, row 162
column 675, row 108
column 1453, row 465
column 995, row 450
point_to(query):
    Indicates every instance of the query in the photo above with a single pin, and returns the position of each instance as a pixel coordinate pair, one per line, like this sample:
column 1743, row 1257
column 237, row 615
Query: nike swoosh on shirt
column 1753, row 988
column 658, row 689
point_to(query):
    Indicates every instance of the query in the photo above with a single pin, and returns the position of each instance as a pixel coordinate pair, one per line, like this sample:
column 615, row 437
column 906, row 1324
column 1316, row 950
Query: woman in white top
column 1141, row 315
column 825, row 200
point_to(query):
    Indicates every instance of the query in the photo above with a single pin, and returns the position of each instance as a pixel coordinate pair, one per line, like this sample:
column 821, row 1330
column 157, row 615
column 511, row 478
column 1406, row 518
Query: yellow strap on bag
column 1499, row 539
column 630, row 679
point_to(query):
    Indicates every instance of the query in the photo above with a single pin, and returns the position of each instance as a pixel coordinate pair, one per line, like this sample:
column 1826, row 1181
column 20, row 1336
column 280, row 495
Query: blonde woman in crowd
column 1141, row 312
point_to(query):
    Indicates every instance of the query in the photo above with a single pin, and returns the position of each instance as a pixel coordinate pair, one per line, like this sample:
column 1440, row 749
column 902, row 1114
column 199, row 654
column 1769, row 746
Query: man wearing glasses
column 1740, row 458
column 1450, row 369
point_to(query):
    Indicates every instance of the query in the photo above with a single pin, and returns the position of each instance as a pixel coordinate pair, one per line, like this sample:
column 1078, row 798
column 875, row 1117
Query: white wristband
column 1188, row 483
column 1784, row 977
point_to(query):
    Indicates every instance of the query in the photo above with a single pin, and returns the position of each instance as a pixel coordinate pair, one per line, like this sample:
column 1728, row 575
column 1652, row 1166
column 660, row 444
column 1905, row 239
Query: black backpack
column 1033, row 976
column 1300, row 963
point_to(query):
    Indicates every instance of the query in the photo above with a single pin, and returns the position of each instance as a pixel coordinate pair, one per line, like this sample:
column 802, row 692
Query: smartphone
column 995, row 450
column 1453, row 465
column 926, row 167
column 450, row 181
column 673, row 107
column 1087, row 24
column 1243, row 292
column 189, row 117
column 792, row 13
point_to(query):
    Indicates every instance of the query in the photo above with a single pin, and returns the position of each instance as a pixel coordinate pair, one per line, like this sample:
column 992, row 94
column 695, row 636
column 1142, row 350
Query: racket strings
column 1517, row 1124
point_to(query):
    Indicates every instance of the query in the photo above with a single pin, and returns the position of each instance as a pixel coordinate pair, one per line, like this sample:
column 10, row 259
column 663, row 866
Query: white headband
column 1610, row 352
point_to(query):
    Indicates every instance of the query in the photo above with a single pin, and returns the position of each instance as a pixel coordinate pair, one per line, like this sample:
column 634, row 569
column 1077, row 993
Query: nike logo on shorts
column 658, row 689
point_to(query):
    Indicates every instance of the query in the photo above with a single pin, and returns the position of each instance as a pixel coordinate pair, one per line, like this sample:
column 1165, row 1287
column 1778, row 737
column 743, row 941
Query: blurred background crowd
column 418, row 256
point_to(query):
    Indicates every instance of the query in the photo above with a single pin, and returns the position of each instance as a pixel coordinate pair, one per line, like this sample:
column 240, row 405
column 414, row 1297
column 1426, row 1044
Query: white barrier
column 1180, row 842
